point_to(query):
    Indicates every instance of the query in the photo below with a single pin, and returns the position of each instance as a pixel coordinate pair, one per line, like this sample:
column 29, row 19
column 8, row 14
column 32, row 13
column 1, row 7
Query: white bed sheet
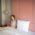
column 10, row 31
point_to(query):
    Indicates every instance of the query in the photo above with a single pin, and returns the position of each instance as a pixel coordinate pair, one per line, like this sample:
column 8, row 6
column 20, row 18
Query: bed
column 9, row 31
column 22, row 29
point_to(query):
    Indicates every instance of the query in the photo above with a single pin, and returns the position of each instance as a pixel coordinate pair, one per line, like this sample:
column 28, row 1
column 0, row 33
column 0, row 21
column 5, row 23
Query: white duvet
column 10, row 31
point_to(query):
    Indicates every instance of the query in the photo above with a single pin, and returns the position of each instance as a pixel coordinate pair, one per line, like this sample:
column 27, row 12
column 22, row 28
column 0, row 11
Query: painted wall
column 22, row 9
column 32, row 25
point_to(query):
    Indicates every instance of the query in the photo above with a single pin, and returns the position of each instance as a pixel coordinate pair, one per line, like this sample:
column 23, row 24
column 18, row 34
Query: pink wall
column 22, row 9
column 32, row 25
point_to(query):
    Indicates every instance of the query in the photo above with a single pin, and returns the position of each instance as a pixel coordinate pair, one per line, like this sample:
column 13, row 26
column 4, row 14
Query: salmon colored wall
column 22, row 9
column 32, row 25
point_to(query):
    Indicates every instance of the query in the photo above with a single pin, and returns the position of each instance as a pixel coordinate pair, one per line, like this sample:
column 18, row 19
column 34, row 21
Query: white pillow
column 23, row 25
